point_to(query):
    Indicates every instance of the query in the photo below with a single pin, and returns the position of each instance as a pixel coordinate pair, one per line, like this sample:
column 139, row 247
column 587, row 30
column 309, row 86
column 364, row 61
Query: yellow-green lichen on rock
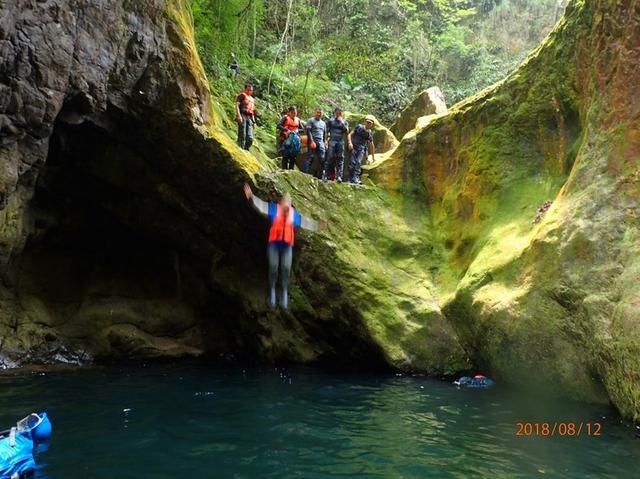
column 550, row 304
column 371, row 269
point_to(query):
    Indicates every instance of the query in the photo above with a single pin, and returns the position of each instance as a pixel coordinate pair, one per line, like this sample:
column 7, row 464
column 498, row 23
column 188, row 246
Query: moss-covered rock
column 550, row 304
column 370, row 271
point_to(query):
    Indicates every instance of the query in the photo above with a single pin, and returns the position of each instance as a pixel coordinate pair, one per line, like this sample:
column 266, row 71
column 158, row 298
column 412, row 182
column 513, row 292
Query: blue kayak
column 477, row 382
column 17, row 443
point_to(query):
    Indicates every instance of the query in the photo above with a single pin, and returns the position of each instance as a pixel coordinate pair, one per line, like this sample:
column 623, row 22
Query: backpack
column 292, row 145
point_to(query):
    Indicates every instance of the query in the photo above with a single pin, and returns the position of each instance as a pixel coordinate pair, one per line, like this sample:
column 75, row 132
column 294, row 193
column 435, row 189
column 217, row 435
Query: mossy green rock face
column 553, row 304
column 369, row 271
column 428, row 102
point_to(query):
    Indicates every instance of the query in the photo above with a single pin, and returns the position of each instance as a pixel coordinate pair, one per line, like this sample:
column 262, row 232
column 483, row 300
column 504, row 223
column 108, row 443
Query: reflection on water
column 196, row 422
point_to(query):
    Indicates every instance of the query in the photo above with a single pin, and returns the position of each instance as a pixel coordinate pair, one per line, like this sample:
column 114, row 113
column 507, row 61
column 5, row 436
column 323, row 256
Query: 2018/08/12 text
column 548, row 429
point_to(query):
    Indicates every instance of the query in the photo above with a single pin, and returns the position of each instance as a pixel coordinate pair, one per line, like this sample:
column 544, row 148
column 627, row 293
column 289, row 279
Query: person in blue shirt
column 317, row 141
column 337, row 130
column 284, row 219
column 360, row 140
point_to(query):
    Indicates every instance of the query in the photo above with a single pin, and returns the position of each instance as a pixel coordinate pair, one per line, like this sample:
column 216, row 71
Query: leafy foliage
column 365, row 55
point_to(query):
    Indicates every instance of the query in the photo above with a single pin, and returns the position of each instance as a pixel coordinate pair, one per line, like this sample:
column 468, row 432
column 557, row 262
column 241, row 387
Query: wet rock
column 7, row 363
column 428, row 102
column 66, row 66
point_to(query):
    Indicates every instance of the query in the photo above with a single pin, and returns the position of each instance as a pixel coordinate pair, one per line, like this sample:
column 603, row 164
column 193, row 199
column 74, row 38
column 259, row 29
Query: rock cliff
column 543, row 299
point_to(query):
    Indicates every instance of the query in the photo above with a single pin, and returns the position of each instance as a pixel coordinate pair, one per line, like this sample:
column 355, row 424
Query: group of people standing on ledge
column 326, row 140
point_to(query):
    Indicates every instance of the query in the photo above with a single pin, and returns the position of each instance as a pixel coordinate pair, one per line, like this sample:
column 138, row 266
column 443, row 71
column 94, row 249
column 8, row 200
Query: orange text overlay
column 548, row 429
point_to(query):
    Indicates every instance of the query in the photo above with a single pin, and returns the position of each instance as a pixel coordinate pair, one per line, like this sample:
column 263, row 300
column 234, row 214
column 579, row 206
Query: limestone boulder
column 383, row 139
column 429, row 102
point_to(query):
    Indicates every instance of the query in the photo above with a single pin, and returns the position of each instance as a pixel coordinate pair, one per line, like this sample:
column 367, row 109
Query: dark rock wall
column 123, row 228
column 77, row 79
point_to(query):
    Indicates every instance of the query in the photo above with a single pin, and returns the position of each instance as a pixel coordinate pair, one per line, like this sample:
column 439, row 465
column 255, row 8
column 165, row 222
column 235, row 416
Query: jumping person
column 288, row 147
column 337, row 129
column 317, row 137
column 245, row 117
column 284, row 218
column 360, row 139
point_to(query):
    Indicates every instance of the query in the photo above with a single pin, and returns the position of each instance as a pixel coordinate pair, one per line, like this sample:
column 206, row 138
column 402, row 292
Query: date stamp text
column 563, row 429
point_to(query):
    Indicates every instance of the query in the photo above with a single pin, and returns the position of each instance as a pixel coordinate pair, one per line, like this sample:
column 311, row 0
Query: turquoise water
column 199, row 422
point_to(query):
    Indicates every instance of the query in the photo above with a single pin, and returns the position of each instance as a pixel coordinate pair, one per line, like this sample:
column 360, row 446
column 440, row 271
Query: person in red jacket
column 245, row 117
column 284, row 219
column 290, row 123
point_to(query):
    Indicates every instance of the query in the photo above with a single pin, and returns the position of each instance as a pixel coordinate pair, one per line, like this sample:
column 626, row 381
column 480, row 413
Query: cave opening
column 94, row 269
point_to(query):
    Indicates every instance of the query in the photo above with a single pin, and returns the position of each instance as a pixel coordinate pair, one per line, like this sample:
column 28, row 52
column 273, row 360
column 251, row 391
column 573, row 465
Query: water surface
column 202, row 422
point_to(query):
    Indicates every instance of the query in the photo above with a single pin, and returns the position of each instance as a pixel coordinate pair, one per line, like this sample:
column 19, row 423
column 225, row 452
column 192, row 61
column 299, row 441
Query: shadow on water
column 167, row 421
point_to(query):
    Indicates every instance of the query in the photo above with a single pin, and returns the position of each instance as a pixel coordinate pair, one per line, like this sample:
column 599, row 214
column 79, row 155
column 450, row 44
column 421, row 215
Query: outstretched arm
column 258, row 204
column 312, row 225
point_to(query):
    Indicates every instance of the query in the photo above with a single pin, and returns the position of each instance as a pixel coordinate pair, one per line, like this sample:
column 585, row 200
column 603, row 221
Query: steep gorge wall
column 554, row 304
column 124, row 230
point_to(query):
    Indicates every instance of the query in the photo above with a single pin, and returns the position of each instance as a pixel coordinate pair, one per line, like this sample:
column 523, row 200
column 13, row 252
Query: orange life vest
column 282, row 227
column 291, row 124
column 248, row 104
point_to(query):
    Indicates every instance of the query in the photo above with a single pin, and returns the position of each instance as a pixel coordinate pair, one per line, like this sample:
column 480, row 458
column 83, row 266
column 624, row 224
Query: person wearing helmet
column 317, row 137
column 284, row 219
column 360, row 140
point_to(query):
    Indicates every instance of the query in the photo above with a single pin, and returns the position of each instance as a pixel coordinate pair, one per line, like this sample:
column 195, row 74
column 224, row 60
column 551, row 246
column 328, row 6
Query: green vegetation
column 364, row 55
